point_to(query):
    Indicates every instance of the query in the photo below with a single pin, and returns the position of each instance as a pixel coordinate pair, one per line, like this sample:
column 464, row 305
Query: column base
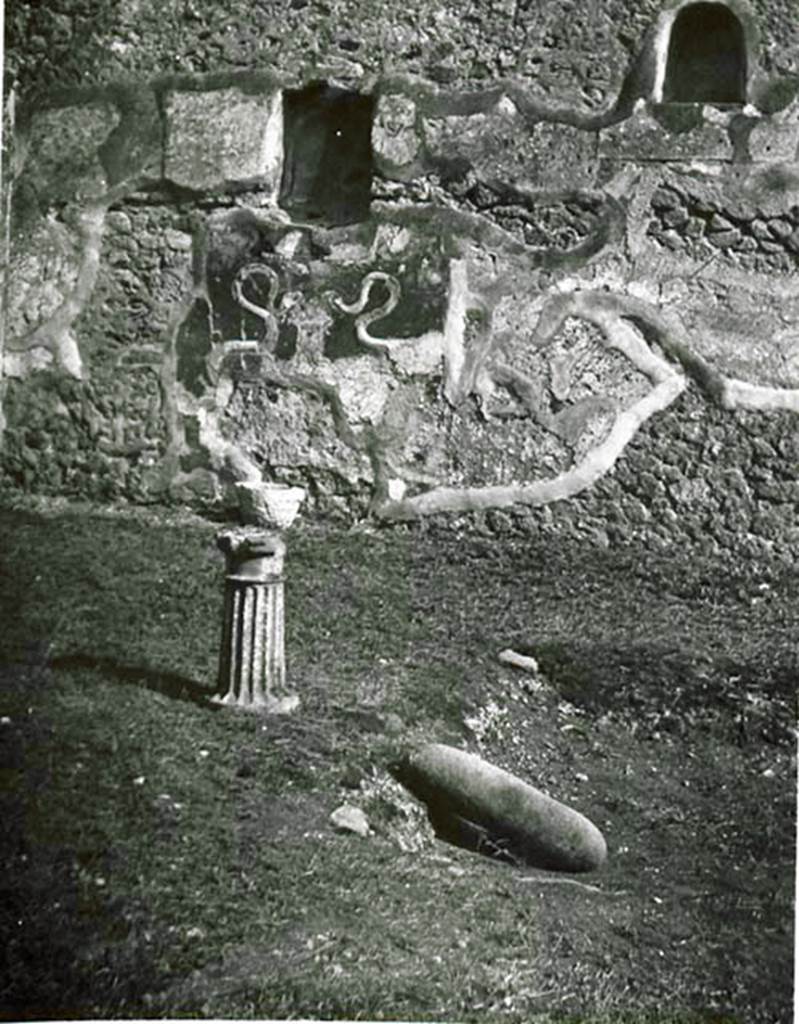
column 268, row 705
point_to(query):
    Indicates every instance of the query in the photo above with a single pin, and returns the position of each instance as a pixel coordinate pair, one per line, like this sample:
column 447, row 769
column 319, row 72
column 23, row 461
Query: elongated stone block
column 252, row 665
column 475, row 804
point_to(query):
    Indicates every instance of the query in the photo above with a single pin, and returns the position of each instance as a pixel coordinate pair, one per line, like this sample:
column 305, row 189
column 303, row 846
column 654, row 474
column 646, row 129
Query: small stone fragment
column 760, row 229
column 665, row 199
column 725, row 239
column 675, row 218
column 780, row 227
column 793, row 241
column 516, row 660
column 672, row 240
column 720, row 223
column 393, row 724
column 352, row 777
column 351, row 819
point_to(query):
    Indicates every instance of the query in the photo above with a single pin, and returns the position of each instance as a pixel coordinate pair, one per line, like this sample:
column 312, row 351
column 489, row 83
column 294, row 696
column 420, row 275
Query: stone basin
column 271, row 505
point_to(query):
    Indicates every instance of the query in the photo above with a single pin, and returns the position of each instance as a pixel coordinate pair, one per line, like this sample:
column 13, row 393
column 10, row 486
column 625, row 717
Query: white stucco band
column 613, row 315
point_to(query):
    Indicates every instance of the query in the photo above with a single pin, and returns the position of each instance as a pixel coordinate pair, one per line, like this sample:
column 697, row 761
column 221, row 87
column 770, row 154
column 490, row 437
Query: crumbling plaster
column 471, row 202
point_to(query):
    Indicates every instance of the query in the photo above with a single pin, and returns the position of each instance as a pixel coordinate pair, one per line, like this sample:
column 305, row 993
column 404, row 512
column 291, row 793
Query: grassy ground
column 163, row 858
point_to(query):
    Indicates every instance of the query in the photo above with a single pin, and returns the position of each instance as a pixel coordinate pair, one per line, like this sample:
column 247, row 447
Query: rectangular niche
column 328, row 164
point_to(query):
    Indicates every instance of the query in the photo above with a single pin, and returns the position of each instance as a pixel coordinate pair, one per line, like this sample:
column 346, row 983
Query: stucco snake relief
column 592, row 394
column 588, row 397
column 266, row 314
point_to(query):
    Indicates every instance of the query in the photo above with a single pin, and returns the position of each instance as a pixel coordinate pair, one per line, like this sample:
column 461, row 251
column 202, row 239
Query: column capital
column 252, row 553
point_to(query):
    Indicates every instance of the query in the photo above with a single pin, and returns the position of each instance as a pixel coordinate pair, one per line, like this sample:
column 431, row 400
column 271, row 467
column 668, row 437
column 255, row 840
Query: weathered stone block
column 62, row 162
column 725, row 239
column 675, row 218
column 771, row 142
column 472, row 800
column 666, row 199
column 500, row 144
column 643, row 137
column 42, row 273
column 395, row 143
column 455, row 135
column 779, row 227
column 719, row 223
column 560, row 156
column 224, row 137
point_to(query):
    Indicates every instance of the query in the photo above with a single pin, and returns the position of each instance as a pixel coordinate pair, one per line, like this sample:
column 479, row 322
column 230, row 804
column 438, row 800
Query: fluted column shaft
column 252, row 666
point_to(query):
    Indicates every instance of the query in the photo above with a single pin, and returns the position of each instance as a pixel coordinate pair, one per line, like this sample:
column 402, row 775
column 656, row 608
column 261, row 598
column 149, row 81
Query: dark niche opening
column 707, row 57
column 327, row 169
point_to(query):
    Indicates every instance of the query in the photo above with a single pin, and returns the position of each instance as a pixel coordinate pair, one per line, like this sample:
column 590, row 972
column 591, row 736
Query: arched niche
column 328, row 162
column 706, row 60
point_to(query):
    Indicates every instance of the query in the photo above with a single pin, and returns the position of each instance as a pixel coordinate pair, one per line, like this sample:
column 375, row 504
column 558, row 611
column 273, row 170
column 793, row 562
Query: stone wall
column 426, row 263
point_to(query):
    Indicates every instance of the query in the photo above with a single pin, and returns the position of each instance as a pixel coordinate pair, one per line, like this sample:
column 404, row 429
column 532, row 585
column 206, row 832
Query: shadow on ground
column 168, row 684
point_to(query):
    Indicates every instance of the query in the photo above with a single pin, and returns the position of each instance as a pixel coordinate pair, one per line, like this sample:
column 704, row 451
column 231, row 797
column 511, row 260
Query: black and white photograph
column 399, row 511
